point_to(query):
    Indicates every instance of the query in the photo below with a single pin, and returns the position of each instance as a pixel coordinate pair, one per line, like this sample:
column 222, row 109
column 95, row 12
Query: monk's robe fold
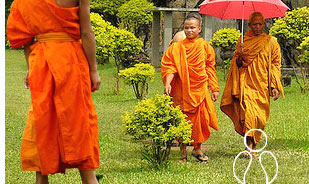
column 193, row 63
column 62, row 127
column 246, row 96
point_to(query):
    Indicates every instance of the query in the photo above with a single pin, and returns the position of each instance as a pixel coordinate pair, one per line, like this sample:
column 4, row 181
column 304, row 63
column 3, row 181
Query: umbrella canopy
column 241, row 9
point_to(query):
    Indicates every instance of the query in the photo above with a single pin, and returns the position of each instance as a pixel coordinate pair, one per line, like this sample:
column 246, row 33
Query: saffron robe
column 193, row 63
column 62, row 127
column 246, row 96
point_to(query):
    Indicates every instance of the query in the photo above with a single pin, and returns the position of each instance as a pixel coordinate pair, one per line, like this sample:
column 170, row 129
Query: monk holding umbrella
column 254, row 74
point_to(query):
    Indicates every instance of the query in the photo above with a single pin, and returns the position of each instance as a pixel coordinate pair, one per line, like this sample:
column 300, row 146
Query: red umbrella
column 241, row 9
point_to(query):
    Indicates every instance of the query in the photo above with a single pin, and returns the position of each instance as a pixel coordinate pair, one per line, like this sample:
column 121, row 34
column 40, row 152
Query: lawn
column 120, row 156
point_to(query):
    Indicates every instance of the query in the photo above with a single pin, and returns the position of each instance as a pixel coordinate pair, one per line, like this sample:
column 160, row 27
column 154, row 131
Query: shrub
column 158, row 120
column 107, row 8
column 138, row 77
column 304, row 65
column 114, row 42
column 127, row 47
column 133, row 16
column 225, row 37
column 290, row 32
column 104, row 35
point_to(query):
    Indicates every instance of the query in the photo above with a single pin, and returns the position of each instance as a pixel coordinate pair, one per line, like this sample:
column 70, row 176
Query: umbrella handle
column 242, row 22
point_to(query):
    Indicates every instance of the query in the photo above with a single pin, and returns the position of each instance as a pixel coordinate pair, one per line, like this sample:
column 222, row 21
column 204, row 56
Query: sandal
column 183, row 159
column 254, row 154
column 200, row 156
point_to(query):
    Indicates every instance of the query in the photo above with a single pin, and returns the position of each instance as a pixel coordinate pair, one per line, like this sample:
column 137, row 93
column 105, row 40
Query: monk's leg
column 88, row 177
column 41, row 179
column 183, row 149
column 249, row 142
column 197, row 152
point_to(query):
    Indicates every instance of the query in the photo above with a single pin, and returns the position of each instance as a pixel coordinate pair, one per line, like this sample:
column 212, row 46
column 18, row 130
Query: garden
column 138, row 125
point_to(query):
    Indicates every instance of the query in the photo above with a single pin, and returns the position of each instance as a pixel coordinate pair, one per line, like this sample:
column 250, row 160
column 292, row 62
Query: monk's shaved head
column 255, row 14
column 194, row 16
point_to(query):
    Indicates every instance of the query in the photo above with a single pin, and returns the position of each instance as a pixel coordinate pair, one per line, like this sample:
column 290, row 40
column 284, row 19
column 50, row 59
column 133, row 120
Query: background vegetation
column 120, row 155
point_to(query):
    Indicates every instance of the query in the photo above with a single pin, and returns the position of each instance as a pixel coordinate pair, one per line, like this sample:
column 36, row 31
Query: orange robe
column 246, row 97
column 193, row 63
column 62, row 127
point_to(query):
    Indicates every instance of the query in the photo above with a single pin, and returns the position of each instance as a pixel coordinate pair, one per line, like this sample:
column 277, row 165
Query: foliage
column 157, row 119
column 114, row 42
column 104, row 35
column 290, row 31
column 138, row 77
column 304, row 65
column 133, row 17
column 107, row 8
column 226, row 65
column 225, row 37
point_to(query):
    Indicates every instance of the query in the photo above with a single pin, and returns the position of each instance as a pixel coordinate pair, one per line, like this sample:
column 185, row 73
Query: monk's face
column 192, row 28
column 257, row 25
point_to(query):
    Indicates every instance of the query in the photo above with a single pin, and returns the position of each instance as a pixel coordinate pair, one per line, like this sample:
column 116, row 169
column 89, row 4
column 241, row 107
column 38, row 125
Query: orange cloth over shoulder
column 246, row 97
column 193, row 63
column 62, row 127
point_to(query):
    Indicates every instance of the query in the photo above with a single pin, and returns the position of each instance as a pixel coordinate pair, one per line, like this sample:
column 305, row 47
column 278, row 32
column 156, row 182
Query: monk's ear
column 200, row 29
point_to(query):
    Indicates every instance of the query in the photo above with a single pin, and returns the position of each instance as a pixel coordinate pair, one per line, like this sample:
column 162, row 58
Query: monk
column 254, row 76
column 188, row 70
column 62, row 127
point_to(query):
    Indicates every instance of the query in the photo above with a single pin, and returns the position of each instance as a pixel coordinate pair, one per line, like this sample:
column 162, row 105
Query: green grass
column 120, row 156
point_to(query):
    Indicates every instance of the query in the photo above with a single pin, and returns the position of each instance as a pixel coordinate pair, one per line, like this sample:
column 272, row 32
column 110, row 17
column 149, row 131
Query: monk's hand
column 95, row 80
column 167, row 89
column 240, row 50
column 214, row 96
column 26, row 80
column 275, row 93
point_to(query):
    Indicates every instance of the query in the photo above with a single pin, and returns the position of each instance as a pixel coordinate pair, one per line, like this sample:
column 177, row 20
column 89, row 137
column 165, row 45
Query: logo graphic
column 260, row 159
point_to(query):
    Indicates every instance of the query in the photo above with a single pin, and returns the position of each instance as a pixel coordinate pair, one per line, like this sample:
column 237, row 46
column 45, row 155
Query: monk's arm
column 167, row 83
column 89, row 43
column 275, row 83
column 27, row 52
column 211, row 70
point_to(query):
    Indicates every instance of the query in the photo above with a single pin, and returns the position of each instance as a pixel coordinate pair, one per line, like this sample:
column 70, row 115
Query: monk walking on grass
column 62, row 127
column 188, row 70
column 254, row 76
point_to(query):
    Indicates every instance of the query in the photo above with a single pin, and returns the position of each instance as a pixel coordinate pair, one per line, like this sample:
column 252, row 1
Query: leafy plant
column 138, row 77
column 158, row 120
column 225, row 37
column 133, row 17
column 290, row 32
column 107, row 8
column 113, row 42
column 304, row 65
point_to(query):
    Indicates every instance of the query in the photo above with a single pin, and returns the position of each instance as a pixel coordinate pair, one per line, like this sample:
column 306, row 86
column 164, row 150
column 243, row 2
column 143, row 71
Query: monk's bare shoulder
column 179, row 36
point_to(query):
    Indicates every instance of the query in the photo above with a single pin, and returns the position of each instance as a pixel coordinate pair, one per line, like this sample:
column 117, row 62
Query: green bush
column 114, row 42
column 138, row 77
column 134, row 17
column 158, row 120
column 107, row 8
column 104, row 35
column 225, row 37
column 304, row 65
column 127, row 47
column 290, row 32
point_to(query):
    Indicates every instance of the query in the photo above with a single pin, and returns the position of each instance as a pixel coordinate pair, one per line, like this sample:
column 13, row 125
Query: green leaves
column 293, row 26
column 226, row 37
column 133, row 15
column 138, row 76
column 158, row 120
column 112, row 42
column 304, row 46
